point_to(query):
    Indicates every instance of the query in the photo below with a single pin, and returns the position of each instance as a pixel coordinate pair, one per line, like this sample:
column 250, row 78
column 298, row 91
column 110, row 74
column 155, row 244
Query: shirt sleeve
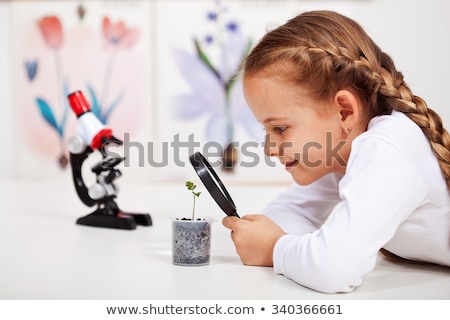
column 303, row 209
column 379, row 191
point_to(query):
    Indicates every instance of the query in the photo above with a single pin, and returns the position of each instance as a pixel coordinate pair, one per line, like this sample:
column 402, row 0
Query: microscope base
column 127, row 221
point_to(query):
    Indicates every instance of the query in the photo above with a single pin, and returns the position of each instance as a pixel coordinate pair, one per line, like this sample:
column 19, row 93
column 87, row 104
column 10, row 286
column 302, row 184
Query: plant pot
column 191, row 242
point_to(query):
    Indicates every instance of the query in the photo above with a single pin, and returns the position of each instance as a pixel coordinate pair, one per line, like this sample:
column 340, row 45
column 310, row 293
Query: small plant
column 191, row 186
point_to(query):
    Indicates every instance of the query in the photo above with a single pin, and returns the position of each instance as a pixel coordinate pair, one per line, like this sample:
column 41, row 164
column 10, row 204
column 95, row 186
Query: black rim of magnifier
column 213, row 184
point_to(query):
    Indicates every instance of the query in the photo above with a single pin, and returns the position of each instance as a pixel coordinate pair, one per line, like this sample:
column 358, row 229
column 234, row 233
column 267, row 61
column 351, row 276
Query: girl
column 369, row 160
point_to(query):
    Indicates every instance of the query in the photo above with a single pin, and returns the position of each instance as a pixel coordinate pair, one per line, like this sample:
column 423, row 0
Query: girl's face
column 307, row 136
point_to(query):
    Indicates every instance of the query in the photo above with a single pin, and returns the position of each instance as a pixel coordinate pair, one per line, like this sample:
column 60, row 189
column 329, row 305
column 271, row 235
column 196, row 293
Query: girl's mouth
column 291, row 164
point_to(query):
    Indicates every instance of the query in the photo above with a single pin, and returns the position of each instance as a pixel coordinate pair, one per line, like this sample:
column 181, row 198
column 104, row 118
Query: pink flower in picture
column 118, row 35
column 52, row 33
column 51, row 30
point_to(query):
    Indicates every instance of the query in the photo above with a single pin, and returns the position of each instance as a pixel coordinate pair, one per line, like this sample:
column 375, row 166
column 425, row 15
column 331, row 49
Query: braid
column 400, row 97
column 342, row 56
column 392, row 93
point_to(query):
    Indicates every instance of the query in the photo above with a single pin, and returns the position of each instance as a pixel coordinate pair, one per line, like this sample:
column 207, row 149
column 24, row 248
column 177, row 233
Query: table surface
column 45, row 255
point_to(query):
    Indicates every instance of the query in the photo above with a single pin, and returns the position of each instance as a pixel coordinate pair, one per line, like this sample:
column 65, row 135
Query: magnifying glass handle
column 234, row 214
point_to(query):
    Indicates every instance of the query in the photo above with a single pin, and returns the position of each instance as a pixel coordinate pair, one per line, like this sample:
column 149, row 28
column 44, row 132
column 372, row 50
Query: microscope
column 92, row 136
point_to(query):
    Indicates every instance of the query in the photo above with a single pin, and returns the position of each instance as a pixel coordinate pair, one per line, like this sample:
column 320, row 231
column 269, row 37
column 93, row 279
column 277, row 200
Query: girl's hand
column 254, row 237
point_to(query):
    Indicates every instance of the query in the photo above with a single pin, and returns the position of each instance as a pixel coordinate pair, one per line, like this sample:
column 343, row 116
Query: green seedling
column 191, row 187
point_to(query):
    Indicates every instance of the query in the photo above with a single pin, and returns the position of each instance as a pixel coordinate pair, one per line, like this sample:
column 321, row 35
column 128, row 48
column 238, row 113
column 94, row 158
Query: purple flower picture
column 212, row 70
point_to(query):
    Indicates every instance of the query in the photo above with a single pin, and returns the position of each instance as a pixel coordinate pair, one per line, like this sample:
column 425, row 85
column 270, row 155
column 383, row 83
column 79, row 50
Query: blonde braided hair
column 329, row 52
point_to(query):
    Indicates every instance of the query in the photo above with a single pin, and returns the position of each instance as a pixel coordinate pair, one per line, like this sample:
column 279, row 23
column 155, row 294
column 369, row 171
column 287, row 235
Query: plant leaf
column 232, row 80
column 205, row 59
column 47, row 114
column 113, row 105
column 95, row 106
column 190, row 185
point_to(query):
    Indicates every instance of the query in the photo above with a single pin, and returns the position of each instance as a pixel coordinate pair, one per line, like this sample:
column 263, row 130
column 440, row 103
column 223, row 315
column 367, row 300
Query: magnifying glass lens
column 213, row 184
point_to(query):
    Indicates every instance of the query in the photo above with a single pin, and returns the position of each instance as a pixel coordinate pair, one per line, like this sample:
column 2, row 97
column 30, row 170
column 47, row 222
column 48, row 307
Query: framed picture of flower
column 99, row 47
column 201, row 98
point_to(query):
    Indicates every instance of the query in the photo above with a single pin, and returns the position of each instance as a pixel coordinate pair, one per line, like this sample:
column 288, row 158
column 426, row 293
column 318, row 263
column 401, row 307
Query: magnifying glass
column 213, row 184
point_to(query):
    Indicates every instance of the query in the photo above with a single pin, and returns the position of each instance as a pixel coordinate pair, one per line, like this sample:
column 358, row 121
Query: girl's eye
column 279, row 129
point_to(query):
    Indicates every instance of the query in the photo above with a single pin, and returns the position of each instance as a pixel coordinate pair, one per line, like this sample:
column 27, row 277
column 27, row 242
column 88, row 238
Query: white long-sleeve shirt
column 393, row 196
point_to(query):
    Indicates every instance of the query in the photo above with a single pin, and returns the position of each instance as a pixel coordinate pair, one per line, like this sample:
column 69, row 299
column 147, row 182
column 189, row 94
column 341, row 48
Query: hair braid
column 400, row 97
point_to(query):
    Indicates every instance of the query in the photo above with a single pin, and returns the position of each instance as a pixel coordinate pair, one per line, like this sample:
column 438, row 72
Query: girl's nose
column 270, row 148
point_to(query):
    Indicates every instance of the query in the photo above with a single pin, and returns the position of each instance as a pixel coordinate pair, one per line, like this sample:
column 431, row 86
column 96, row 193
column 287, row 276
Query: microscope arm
column 76, row 162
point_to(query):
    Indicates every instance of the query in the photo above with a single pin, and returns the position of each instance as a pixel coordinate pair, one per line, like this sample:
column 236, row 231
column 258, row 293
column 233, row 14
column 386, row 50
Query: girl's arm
column 299, row 210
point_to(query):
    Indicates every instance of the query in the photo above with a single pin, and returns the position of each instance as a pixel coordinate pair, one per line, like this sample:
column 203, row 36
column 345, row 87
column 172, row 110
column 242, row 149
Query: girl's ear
column 349, row 107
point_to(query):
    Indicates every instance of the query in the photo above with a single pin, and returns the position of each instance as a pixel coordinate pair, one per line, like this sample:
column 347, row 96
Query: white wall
column 414, row 32
column 6, row 141
column 6, row 114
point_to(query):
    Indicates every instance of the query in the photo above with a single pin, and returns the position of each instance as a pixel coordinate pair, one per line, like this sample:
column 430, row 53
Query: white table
column 45, row 255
